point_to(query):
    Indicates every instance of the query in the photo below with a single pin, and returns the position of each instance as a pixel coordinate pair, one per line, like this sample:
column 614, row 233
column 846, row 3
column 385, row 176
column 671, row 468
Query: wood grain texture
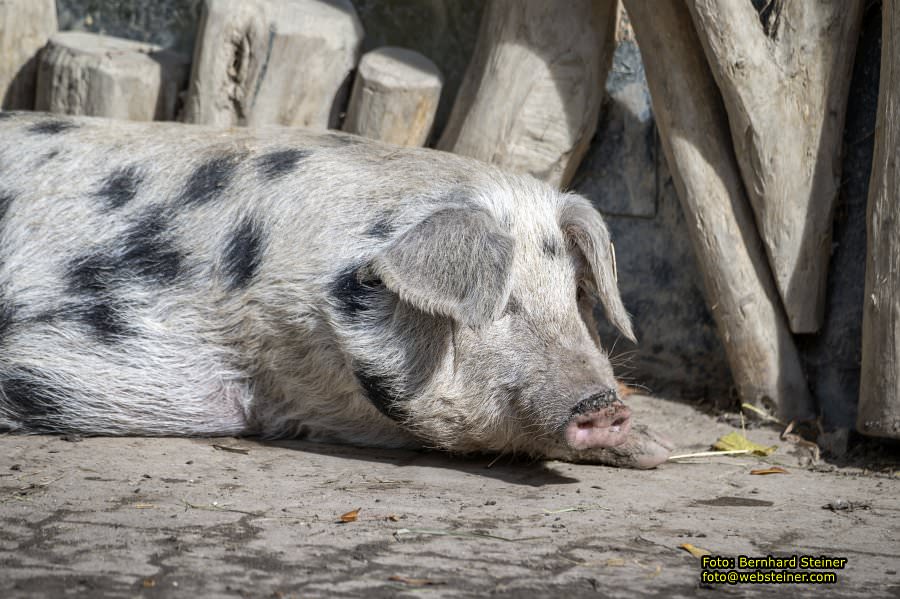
column 97, row 75
column 694, row 132
column 531, row 96
column 785, row 83
column 879, row 395
column 395, row 97
column 262, row 62
column 25, row 26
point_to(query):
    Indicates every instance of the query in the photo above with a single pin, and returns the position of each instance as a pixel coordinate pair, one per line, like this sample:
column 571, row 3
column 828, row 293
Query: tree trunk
column 97, row 75
column 785, row 86
column 395, row 97
column 694, row 131
column 25, row 26
column 879, row 394
column 262, row 62
column 531, row 96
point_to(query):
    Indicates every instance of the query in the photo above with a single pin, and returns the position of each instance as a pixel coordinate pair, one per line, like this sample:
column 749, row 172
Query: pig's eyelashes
column 371, row 283
column 368, row 279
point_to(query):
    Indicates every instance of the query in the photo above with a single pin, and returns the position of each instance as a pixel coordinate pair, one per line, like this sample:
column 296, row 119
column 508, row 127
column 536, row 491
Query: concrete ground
column 138, row 517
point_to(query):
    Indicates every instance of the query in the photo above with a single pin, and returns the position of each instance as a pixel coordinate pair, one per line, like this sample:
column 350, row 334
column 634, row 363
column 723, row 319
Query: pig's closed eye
column 372, row 283
column 580, row 294
column 368, row 280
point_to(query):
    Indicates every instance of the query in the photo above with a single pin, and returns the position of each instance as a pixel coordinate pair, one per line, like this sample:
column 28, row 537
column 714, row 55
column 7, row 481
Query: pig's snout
column 598, row 421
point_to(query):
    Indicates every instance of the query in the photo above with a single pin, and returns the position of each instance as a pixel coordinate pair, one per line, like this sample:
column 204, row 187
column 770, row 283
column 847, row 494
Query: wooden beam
column 97, row 75
column 25, row 26
column 693, row 128
column 531, row 96
column 785, row 85
column 879, row 393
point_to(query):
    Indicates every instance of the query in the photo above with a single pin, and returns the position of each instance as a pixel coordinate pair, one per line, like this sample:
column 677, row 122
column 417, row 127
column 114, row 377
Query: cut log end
column 96, row 75
column 395, row 97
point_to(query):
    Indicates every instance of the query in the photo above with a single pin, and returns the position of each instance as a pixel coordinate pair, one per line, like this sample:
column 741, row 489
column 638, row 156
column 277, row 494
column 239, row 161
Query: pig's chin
column 597, row 430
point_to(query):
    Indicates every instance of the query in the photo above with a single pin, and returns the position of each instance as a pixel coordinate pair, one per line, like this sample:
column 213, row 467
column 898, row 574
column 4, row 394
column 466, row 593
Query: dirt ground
column 138, row 517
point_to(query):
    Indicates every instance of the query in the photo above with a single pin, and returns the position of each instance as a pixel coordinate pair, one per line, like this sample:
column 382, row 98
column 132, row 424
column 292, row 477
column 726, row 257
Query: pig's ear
column 455, row 262
column 585, row 228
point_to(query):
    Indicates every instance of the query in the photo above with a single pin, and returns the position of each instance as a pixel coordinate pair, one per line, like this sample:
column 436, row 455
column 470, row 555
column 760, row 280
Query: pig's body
column 176, row 280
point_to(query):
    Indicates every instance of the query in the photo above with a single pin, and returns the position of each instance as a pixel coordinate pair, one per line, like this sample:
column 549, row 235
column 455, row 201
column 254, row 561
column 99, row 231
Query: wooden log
column 693, row 128
column 25, row 26
column 395, row 97
column 260, row 62
column 879, row 393
column 531, row 95
column 785, row 88
column 97, row 75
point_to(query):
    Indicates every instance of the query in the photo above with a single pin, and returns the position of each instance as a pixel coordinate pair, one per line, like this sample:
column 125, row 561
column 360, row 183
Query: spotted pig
column 169, row 279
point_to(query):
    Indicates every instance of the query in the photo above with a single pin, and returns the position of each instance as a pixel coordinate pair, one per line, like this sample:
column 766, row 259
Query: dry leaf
column 695, row 551
column 733, row 441
column 770, row 470
column 393, row 518
column 350, row 516
column 149, row 583
column 415, row 582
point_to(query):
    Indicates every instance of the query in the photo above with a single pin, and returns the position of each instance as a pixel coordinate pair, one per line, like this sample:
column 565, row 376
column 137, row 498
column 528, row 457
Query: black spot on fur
column 7, row 315
column 551, row 247
column 276, row 164
column 147, row 251
column 354, row 294
column 51, row 127
column 144, row 251
column 209, row 180
column 6, row 199
column 243, row 253
column 120, row 186
column 102, row 314
column 380, row 395
column 31, row 397
column 105, row 319
column 91, row 274
column 381, row 228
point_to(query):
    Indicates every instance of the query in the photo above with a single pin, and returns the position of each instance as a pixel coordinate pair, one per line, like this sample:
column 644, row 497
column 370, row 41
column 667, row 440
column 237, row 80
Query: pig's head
column 485, row 332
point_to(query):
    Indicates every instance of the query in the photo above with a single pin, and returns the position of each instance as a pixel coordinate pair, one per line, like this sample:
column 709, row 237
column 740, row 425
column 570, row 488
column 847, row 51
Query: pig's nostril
column 603, row 428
